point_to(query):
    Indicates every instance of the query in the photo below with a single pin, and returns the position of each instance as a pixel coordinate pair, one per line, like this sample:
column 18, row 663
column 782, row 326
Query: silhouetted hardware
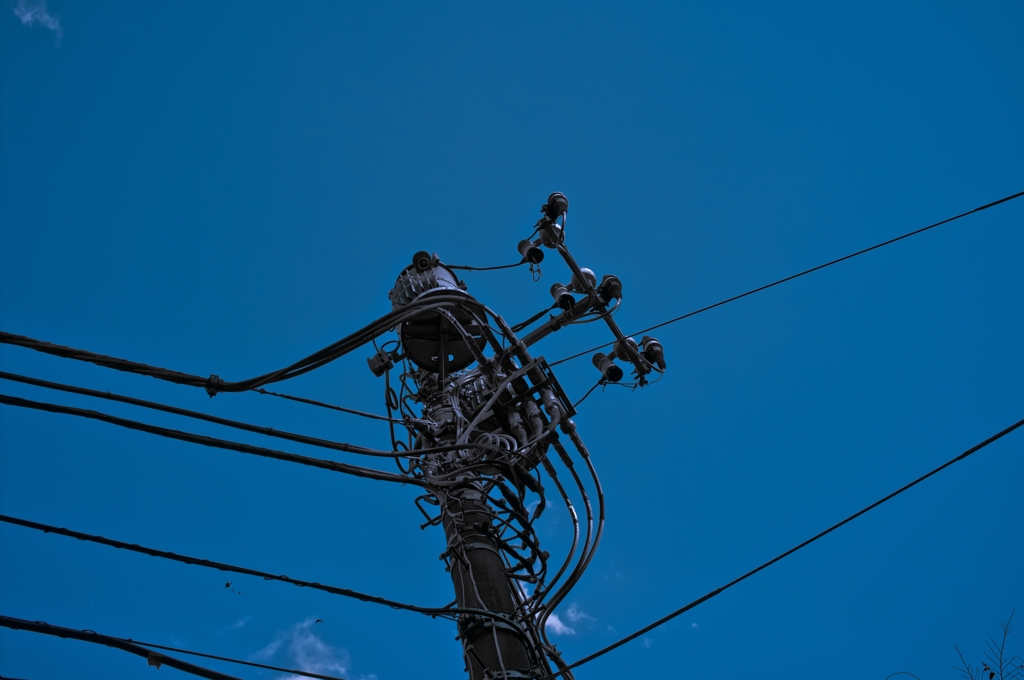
column 487, row 416
column 610, row 372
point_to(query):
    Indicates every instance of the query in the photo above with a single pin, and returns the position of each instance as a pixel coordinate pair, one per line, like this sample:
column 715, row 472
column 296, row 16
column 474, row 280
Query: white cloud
column 306, row 651
column 240, row 622
column 575, row 614
column 32, row 12
column 556, row 626
column 310, row 653
column 269, row 651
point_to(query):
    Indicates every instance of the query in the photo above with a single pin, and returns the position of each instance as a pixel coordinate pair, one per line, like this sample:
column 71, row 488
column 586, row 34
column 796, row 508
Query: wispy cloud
column 268, row 652
column 556, row 626
column 240, row 622
column 575, row 614
column 32, row 12
column 306, row 651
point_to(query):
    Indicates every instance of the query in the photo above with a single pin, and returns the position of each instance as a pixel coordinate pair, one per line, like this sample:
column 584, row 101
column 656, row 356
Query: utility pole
column 482, row 415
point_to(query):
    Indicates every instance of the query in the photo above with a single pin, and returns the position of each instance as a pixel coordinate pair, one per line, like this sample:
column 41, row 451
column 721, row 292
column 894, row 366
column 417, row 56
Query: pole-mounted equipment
column 470, row 386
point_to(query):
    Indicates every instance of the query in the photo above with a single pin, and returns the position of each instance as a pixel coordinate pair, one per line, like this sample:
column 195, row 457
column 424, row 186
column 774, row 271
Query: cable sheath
column 153, row 658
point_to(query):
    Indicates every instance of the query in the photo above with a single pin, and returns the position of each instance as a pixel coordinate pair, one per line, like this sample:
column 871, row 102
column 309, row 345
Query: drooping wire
column 152, row 657
column 486, row 269
column 267, row 431
column 92, row 636
column 253, row 664
column 718, row 591
column 214, row 384
column 321, row 404
column 214, row 442
column 204, row 440
column 391, row 403
column 594, row 531
column 796, row 276
column 596, row 385
column 266, row 576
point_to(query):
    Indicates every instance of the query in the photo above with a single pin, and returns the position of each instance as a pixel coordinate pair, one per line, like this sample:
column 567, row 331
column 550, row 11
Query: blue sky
column 226, row 187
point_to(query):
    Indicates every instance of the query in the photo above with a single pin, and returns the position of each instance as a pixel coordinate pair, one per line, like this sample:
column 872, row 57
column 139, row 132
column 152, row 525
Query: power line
column 314, row 402
column 796, row 276
column 267, row 431
column 596, row 385
column 103, row 360
column 222, row 566
column 214, row 384
column 718, row 591
column 486, row 269
column 152, row 658
column 238, row 661
column 214, row 442
column 18, row 624
column 481, row 562
column 222, row 443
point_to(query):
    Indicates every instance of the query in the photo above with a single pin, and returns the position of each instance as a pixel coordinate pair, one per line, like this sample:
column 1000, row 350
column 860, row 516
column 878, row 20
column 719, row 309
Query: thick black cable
column 577, row 571
column 202, row 654
column 222, row 566
column 153, row 371
column 214, row 384
column 796, row 276
column 523, row 324
column 718, row 591
column 153, row 658
column 268, row 431
column 103, row 360
column 347, row 344
column 230, row 660
column 258, row 429
column 331, row 465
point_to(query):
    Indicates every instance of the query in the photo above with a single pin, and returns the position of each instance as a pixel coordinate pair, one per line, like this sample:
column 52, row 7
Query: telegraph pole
column 482, row 415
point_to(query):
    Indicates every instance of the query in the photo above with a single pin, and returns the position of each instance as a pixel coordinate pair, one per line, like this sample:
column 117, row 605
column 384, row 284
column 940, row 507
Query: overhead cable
column 486, row 269
column 222, row 566
column 153, row 658
column 596, row 385
column 238, row 661
column 314, row 402
column 268, row 431
column 19, row 624
column 796, row 276
column 208, row 441
column 204, row 440
column 718, row 591
column 214, row 384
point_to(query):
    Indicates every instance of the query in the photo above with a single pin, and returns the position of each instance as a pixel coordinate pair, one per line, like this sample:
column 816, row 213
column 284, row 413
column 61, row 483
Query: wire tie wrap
column 214, row 385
